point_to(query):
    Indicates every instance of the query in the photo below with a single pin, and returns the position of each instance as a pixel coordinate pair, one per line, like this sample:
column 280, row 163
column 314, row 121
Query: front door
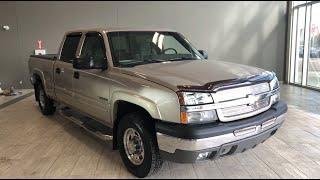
column 63, row 69
column 91, row 87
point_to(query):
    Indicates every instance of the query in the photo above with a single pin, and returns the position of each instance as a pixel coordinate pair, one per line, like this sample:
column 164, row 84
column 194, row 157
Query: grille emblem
column 252, row 99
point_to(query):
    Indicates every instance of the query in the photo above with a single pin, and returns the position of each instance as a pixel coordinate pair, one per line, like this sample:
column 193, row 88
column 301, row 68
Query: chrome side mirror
column 203, row 53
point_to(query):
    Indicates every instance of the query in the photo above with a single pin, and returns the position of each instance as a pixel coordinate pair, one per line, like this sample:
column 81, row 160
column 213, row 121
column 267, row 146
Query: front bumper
column 184, row 144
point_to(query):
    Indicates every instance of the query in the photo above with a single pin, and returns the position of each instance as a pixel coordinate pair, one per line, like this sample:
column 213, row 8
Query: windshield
column 143, row 47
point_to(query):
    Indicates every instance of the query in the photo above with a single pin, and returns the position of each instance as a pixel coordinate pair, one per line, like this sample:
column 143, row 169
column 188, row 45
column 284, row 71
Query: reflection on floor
column 302, row 98
column 35, row 146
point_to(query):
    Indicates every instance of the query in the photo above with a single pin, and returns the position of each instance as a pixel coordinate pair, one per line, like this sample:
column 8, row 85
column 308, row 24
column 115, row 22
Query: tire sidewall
column 48, row 106
column 40, row 88
column 143, row 169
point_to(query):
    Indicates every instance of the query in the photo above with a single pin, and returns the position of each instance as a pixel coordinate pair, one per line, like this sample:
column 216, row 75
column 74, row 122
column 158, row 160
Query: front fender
column 147, row 104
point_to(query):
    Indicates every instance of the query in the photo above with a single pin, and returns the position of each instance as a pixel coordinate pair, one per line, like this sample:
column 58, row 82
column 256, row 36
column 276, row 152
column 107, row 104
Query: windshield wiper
column 182, row 58
column 156, row 60
column 149, row 62
column 162, row 60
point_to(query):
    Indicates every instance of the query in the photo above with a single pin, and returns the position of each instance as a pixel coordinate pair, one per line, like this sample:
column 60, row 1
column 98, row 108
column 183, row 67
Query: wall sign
column 39, row 50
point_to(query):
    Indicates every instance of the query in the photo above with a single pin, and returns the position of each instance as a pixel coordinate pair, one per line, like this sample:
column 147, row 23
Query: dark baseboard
column 15, row 100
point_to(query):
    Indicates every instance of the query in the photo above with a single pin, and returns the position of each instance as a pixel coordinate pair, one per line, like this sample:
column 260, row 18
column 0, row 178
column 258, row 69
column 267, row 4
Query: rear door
column 91, row 86
column 63, row 69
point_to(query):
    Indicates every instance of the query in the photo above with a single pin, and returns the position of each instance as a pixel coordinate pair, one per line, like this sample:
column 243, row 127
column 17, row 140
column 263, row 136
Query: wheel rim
column 133, row 146
column 41, row 98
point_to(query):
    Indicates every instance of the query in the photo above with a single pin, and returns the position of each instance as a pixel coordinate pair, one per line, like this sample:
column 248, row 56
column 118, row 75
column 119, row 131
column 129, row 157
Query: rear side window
column 69, row 48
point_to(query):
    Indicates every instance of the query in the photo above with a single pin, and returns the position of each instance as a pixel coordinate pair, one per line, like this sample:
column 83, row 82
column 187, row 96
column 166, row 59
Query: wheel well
column 122, row 108
column 37, row 81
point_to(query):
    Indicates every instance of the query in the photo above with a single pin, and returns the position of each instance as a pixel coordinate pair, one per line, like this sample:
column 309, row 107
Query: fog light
column 202, row 156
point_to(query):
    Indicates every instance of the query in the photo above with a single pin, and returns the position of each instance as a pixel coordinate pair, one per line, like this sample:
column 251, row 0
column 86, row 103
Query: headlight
column 275, row 98
column 274, row 84
column 196, row 100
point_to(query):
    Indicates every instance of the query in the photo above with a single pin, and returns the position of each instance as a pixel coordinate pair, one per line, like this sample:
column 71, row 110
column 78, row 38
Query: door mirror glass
column 203, row 53
column 90, row 63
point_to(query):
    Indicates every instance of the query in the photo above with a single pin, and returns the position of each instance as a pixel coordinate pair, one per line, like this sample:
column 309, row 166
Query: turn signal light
column 184, row 118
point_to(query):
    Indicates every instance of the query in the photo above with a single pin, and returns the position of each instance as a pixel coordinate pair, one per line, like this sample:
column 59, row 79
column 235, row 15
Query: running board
column 93, row 127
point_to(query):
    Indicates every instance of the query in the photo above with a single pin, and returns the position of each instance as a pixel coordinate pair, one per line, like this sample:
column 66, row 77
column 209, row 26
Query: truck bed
column 47, row 56
column 43, row 65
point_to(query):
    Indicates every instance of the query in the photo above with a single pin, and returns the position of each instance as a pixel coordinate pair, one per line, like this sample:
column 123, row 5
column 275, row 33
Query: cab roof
column 116, row 29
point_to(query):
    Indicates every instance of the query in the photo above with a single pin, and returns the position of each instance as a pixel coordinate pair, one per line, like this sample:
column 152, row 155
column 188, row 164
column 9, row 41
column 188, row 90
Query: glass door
column 305, row 44
column 299, row 45
column 313, row 78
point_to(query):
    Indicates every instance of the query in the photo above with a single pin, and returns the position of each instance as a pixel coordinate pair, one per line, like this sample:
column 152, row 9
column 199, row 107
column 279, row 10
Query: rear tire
column 46, row 104
column 151, row 161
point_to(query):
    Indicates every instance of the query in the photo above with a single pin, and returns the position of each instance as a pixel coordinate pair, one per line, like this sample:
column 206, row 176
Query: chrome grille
column 243, row 109
column 241, row 92
column 248, row 101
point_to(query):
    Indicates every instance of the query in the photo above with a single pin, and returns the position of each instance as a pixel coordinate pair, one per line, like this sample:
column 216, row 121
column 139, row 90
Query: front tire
column 137, row 145
column 46, row 104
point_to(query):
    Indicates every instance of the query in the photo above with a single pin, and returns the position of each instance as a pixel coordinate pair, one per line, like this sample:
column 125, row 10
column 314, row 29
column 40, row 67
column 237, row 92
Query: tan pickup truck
column 156, row 96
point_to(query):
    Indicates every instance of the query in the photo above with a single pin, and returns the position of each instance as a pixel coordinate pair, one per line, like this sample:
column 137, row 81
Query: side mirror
column 104, row 64
column 81, row 63
column 89, row 63
column 77, row 64
column 203, row 53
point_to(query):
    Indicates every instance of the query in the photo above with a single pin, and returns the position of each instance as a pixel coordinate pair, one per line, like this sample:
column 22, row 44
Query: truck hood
column 173, row 74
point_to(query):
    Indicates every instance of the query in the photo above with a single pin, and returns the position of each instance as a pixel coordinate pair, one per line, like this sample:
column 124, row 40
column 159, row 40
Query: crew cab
column 157, row 97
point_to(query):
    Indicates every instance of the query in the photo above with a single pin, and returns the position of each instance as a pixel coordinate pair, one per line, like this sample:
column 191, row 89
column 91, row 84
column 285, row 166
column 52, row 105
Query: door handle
column 58, row 70
column 76, row 75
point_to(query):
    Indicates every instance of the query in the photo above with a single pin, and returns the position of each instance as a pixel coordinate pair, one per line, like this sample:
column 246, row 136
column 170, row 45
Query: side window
column 68, row 52
column 93, row 49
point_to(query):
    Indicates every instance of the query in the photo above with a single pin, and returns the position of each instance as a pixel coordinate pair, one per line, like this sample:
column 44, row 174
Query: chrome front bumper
column 170, row 144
